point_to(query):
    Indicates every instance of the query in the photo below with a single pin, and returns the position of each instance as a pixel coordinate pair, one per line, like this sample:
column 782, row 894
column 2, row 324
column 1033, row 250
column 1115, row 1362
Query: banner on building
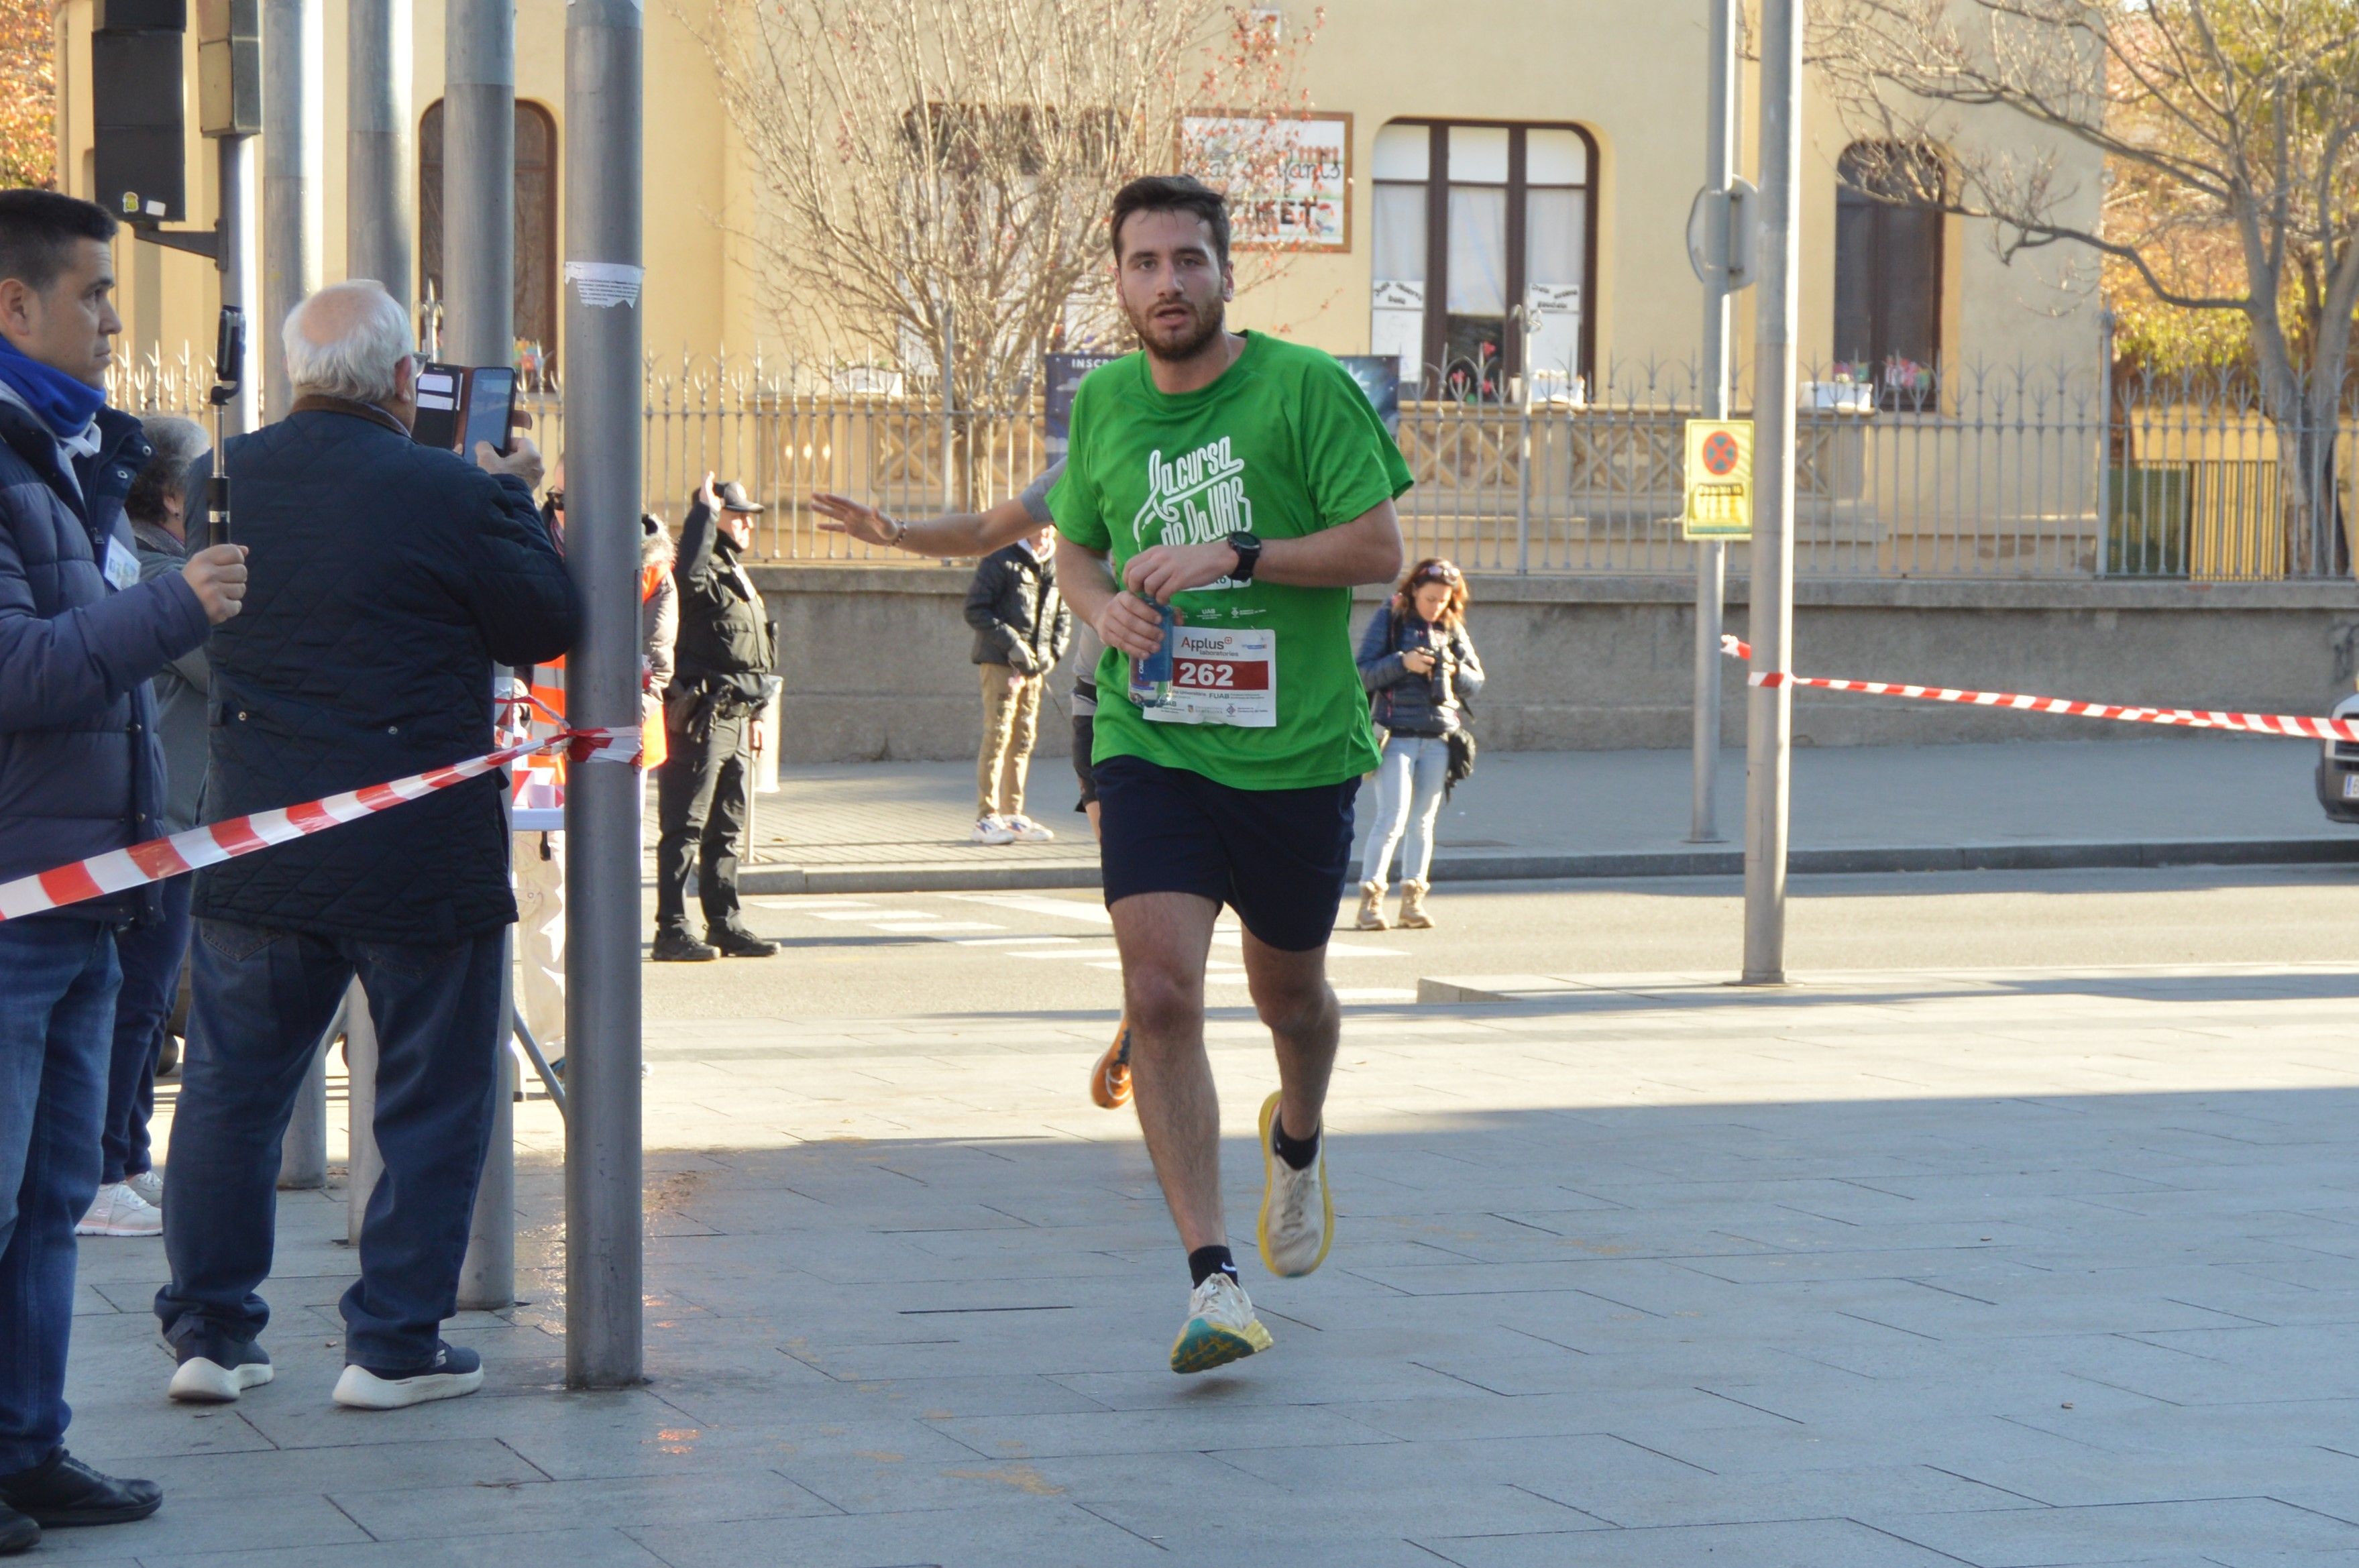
column 1288, row 177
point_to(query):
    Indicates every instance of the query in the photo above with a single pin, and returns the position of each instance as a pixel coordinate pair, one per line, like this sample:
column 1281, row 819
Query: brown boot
column 1372, row 906
column 1413, row 916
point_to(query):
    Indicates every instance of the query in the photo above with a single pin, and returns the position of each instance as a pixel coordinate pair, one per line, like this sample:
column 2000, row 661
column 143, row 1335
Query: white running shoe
column 1297, row 1210
column 1221, row 1327
column 993, row 830
column 452, row 1373
column 1029, row 832
column 218, row 1379
column 148, row 1184
column 119, row 1210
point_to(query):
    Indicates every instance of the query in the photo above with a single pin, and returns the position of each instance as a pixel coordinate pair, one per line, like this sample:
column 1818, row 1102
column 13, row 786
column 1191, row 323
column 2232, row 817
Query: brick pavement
column 2036, row 1267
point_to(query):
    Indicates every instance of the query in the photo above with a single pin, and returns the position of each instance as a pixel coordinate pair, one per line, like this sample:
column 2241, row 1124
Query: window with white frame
column 1482, row 251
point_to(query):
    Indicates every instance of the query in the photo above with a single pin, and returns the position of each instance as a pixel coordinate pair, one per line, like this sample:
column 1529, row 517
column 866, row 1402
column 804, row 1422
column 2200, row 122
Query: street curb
column 1538, row 867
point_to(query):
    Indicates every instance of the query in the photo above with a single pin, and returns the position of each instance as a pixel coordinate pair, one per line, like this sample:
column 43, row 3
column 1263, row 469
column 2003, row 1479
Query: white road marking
column 1061, row 908
column 805, row 902
column 929, row 927
column 1066, row 953
column 1007, row 940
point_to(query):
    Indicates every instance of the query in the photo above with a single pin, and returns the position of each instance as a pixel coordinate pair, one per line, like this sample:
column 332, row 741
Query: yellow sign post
column 1719, row 480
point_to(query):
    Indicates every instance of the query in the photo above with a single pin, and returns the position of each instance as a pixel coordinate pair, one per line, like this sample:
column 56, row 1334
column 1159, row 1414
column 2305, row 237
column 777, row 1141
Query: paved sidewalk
column 2017, row 1268
column 885, row 827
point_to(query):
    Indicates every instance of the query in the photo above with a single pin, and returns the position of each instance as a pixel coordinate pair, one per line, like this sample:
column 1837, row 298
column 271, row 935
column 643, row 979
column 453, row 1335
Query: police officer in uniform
column 711, row 711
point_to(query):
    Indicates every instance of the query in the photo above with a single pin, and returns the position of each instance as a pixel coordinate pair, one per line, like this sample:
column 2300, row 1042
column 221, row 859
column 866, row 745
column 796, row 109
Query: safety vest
column 540, row 780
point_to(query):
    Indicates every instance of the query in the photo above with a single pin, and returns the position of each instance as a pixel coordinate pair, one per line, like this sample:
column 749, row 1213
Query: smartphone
column 490, row 410
column 458, row 407
column 438, row 389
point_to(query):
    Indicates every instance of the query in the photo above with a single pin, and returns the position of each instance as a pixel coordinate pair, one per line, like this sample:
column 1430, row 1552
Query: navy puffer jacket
column 385, row 579
column 81, row 771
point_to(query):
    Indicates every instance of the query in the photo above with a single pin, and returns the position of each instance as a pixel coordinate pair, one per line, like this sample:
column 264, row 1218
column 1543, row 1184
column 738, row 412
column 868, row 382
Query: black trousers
column 701, row 799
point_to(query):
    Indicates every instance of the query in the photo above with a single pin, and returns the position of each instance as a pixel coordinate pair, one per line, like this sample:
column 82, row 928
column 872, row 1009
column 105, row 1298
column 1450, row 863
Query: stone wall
column 876, row 658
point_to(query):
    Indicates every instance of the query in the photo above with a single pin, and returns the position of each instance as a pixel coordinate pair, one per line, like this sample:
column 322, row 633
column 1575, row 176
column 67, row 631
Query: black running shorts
column 1279, row 858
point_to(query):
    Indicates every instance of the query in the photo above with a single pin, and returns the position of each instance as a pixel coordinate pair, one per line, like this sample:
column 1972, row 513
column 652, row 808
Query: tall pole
column 1769, row 712
column 239, row 274
column 380, row 181
column 294, row 66
column 1711, row 555
column 479, row 182
column 479, row 291
column 604, row 1346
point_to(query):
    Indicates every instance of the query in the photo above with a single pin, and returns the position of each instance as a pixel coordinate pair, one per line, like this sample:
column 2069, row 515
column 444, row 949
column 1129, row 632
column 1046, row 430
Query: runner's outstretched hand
column 1168, row 569
column 1129, row 624
column 843, row 514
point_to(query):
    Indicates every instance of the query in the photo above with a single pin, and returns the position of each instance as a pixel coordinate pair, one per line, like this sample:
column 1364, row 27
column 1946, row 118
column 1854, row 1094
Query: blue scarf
column 65, row 404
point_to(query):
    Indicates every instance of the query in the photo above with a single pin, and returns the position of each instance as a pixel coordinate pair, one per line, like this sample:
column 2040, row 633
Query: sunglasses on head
column 1440, row 572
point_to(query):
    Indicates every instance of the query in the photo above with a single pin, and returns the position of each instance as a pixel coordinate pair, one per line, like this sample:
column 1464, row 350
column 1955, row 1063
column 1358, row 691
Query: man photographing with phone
column 389, row 575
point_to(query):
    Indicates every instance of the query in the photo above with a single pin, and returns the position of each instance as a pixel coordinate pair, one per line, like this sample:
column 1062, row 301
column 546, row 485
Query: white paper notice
column 602, row 283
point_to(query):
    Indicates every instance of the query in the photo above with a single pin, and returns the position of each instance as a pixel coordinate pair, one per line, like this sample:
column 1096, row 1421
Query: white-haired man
column 387, row 579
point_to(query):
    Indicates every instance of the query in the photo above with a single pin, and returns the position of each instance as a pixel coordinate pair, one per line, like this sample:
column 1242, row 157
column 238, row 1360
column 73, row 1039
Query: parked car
column 2338, row 769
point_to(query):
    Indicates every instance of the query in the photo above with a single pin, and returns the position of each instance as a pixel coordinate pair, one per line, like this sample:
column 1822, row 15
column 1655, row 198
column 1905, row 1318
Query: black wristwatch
column 1248, row 549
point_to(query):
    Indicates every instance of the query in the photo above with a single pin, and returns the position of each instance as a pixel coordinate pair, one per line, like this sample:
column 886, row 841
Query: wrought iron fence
column 1970, row 473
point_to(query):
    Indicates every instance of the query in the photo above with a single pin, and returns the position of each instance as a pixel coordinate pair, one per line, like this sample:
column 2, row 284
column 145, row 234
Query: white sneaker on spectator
column 119, row 1210
column 993, row 830
column 148, row 1184
column 1029, row 832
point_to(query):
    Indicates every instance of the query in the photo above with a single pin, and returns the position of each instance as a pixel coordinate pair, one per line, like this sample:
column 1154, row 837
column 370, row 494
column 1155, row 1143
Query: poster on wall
column 1379, row 377
column 1288, row 180
column 1060, row 377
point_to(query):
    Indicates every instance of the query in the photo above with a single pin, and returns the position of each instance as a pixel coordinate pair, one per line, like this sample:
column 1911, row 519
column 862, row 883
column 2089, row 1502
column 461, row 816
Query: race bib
column 1217, row 678
column 122, row 567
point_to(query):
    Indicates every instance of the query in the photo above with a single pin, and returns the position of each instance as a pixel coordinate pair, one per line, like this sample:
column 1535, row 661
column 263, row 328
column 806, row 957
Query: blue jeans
column 1409, row 796
column 151, row 956
column 57, row 980
column 262, row 999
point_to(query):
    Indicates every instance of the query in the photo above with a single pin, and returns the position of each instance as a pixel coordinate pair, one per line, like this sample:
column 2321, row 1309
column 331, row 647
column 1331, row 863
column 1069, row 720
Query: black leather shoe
column 736, row 941
column 678, row 947
column 18, row 1533
column 61, row 1491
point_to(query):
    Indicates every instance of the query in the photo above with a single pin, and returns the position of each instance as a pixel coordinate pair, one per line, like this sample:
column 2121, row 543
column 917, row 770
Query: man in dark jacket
column 388, row 578
column 1021, row 629
column 80, row 774
column 720, row 681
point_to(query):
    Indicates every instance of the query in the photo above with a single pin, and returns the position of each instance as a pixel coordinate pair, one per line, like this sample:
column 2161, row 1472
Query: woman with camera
column 1419, row 666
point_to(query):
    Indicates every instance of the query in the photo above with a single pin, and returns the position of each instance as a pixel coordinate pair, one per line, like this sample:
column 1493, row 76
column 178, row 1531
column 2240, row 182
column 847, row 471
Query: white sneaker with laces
column 1029, row 832
column 119, row 1210
column 148, row 1184
column 1297, row 1210
column 993, row 830
column 1221, row 1327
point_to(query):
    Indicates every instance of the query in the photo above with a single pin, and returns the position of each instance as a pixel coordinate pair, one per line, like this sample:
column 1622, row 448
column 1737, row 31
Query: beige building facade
column 1507, row 162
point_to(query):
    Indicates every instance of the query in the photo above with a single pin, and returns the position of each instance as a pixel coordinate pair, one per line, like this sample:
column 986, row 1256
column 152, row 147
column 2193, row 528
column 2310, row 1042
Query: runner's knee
column 1163, row 1001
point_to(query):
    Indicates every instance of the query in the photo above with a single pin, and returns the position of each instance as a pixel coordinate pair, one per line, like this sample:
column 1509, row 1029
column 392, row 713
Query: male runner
column 1245, row 484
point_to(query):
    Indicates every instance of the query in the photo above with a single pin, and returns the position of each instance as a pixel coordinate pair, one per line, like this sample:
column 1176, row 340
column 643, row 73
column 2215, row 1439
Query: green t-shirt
column 1283, row 445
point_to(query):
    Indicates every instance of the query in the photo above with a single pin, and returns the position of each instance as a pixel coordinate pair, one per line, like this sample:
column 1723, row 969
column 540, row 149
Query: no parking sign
column 1719, row 480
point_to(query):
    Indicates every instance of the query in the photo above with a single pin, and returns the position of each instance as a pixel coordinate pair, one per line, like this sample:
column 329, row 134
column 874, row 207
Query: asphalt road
column 933, row 955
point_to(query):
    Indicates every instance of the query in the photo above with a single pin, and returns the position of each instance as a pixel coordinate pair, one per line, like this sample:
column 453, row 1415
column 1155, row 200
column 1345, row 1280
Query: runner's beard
column 1204, row 326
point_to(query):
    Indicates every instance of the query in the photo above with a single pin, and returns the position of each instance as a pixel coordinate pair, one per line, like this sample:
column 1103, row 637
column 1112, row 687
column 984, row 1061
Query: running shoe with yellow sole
column 1221, row 1327
column 1298, row 1208
column 1110, row 1079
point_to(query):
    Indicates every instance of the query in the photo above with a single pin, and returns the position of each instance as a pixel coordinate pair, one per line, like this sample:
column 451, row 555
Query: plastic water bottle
column 1150, row 679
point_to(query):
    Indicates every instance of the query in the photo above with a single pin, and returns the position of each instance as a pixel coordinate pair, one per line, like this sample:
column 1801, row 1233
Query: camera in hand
column 459, row 405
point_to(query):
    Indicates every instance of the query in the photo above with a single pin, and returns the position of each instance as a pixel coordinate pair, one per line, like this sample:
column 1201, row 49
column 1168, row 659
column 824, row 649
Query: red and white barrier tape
column 2297, row 727
column 209, row 846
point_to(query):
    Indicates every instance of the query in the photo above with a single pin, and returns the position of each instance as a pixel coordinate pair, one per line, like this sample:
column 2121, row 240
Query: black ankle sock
column 1205, row 1262
column 1298, row 1152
